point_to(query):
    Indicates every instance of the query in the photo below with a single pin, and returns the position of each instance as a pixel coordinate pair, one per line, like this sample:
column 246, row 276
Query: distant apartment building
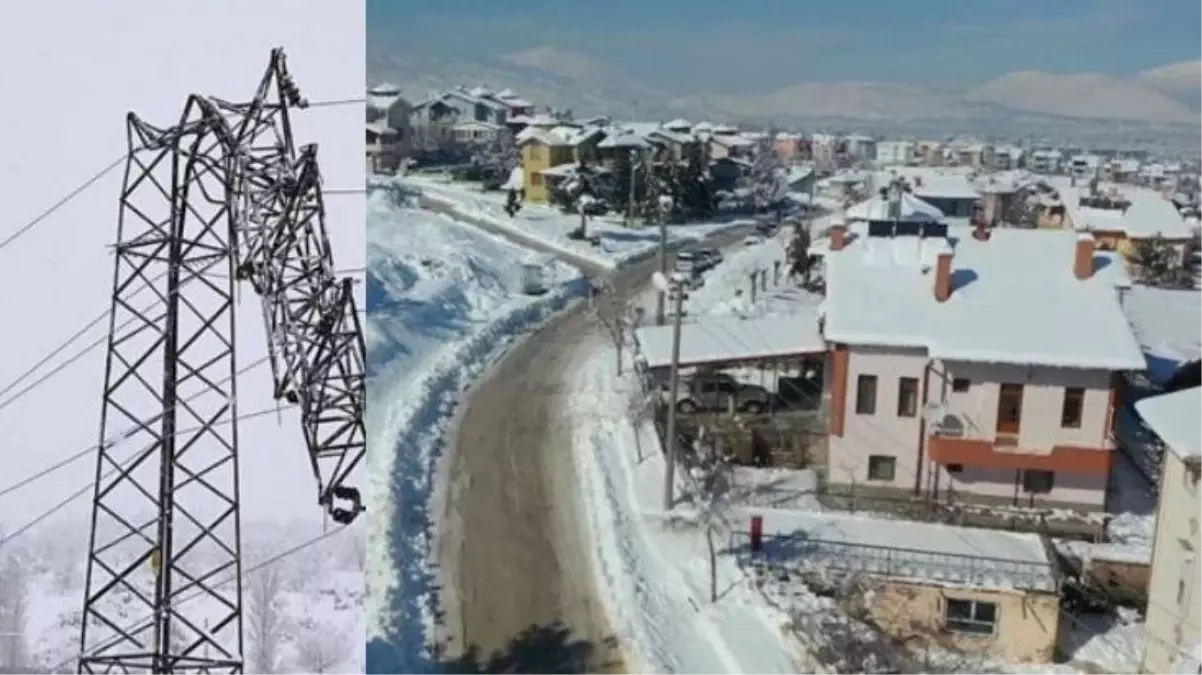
column 1044, row 161
column 787, row 146
column 893, row 153
column 972, row 155
column 1174, row 613
column 824, row 148
column 859, row 146
column 1008, row 157
column 931, row 153
column 1084, row 167
column 973, row 365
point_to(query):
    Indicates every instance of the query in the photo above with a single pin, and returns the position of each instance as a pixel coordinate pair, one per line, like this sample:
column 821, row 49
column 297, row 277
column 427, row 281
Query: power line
column 24, row 229
column 86, row 488
column 99, row 341
column 135, row 627
column 92, row 448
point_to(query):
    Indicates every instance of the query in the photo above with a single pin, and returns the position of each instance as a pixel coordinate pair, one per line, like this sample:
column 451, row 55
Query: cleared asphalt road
column 514, row 563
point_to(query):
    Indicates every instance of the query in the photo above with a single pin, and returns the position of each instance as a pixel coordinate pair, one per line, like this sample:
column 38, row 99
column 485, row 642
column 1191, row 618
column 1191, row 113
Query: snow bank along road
column 513, row 555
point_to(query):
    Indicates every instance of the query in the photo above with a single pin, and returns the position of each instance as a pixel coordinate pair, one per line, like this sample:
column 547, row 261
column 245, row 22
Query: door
column 1009, row 409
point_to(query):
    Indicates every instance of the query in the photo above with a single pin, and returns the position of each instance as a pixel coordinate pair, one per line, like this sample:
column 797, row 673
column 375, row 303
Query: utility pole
column 660, row 301
column 673, row 390
column 634, row 157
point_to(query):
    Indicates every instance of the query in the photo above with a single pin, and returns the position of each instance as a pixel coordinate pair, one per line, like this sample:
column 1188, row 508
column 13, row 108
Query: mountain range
column 1168, row 97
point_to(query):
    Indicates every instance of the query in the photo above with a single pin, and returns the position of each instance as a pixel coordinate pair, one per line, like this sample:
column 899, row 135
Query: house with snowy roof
column 726, row 141
column 977, row 591
column 1174, row 612
column 458, row 105
column 1120, row 219
column 971, row 364
column 389, row 136
column 548, row 149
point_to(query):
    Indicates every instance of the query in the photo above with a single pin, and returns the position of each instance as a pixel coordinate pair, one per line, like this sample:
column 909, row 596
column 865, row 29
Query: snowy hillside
column 303, row 612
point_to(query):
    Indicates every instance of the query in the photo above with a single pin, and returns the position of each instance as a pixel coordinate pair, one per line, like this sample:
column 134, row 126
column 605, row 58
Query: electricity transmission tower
column 224, row 195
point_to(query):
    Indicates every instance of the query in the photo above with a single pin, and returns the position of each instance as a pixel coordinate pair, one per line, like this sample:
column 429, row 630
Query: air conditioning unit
column 949, row 425
column 933, row 412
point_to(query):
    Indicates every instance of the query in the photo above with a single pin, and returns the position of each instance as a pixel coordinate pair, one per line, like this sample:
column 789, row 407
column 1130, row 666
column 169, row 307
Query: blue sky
column 756, row 44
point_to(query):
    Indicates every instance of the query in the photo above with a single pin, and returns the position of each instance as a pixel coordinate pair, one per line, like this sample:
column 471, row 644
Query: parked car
column 716, row 392
column 708, row 258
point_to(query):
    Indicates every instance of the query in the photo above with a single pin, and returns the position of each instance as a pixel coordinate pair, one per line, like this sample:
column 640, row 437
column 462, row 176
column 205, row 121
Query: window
column 536, row 179
column 955, row 468
column 960, row 385
column 882, row 467
column 866, row 395
column 1070, row 410
column 1009, row 408
column 1038, row 482
column 970, row 616
column 534, row 152
column 907, row 397
column 1184, row 584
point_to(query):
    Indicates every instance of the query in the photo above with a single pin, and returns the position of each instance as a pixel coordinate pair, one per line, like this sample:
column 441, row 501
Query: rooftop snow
column 629, row 139
column 1166, row 322
column 561, row 135
column 731, row 140
column 1149, row 214
column 712, row 340
column 1014, row 300
column 947, row 187
column 930, row 552
column 913, row 210
column 1174, row 418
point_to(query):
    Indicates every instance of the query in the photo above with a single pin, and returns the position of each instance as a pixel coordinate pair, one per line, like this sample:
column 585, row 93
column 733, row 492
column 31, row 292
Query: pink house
column 787, row 146
column 976, row 365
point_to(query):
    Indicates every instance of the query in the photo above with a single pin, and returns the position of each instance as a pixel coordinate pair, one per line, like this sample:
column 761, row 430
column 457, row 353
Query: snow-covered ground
column 303, row 612
column 444, row 300
column 550, row 226
column 59, row 273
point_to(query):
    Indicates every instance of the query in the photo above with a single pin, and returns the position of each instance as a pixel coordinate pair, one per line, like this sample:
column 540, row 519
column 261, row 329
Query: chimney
column 838, row 237
column 1083, row 257
column 943, row 276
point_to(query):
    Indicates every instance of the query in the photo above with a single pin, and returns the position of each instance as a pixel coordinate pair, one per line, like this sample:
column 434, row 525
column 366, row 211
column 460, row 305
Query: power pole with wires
column 222, row 196
column 673, row 283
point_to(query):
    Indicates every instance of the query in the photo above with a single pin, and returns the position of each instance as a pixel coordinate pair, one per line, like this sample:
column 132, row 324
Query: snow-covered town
column 687, row 395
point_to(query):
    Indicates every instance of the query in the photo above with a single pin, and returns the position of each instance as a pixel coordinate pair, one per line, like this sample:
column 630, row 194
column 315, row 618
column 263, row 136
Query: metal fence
column 818, row 555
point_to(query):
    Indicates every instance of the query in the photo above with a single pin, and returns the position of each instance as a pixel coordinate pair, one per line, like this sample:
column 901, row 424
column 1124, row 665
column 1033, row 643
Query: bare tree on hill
column 264, row 620
column 14, row 607
column 320, row 646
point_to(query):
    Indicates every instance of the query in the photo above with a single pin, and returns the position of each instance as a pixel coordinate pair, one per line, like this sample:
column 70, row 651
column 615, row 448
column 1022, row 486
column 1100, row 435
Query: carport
column 777, row 347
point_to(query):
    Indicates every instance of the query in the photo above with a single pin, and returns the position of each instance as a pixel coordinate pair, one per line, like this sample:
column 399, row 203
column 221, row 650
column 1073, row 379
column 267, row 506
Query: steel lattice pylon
column 222, row 196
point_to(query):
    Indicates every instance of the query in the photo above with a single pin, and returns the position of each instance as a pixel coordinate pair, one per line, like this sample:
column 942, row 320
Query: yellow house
column 544, row 148
column 1174, row 614
column 1118, row 229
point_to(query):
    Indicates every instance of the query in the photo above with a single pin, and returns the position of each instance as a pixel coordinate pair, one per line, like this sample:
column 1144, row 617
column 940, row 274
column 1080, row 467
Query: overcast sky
column 770, row 43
